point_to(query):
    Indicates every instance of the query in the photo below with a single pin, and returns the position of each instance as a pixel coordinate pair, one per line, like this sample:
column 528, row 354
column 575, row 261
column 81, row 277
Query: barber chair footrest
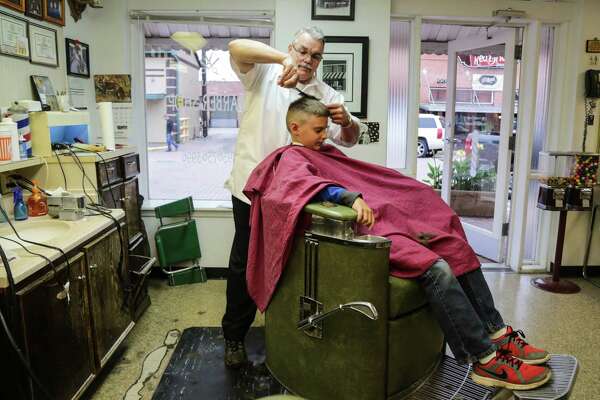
column 564, row 368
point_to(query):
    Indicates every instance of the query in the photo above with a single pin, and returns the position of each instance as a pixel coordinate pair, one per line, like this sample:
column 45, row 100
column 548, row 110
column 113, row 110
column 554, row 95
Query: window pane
column 427, row 123
column 202, row 98
column 398, row 94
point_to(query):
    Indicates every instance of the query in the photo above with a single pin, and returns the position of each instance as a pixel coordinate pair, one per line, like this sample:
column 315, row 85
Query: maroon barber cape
column 420, row 225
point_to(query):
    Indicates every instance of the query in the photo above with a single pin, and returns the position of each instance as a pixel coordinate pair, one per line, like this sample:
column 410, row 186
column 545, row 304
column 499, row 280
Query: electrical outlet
column 4, row 184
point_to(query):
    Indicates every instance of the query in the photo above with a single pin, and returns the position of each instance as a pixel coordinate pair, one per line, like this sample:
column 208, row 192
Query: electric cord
column 33, row 253
column 13, row 343
column 61, row 169
column 105, row 169
column 461, row 384
column 4, row 213
column 84, row 176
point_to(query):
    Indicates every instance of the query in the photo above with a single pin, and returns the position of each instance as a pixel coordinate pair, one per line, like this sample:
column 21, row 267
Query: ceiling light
column 192, row 41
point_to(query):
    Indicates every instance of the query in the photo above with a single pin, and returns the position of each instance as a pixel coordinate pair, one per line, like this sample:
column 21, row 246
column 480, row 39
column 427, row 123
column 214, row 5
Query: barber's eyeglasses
column 303, row 52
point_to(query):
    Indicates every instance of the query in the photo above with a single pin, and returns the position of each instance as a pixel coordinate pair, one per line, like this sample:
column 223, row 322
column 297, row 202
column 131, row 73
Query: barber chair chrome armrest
column 332, row 220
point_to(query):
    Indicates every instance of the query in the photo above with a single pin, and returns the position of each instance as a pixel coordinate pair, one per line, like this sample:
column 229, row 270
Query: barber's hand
column 365, row 214
column 339, row 115
column 289, row 75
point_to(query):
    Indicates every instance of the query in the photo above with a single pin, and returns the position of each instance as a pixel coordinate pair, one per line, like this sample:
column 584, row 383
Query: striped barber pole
column 24, row 130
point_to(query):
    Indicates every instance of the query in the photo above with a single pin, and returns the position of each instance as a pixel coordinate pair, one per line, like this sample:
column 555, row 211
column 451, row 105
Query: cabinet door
column 111, row 319
column 111, row 196
column 56, row 329
column 131, row 206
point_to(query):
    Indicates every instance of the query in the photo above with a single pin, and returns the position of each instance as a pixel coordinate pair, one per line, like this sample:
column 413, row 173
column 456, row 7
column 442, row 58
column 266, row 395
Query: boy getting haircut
column 306, row 106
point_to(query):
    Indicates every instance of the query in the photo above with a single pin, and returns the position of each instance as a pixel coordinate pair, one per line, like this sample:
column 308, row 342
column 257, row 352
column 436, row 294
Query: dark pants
column 241, row 309
column 465, row 310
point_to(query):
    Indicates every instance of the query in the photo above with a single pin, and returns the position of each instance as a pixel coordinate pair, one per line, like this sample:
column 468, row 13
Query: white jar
column 9, row 128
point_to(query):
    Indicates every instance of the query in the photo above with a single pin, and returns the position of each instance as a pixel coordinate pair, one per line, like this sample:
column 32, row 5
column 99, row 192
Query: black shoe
column 235, row 354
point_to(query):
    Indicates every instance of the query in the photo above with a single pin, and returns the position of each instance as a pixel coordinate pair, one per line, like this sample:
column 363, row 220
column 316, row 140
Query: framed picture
column 78, row 58
column 333, row 10
column 345, row 67
column 18, row 5
column 43, row 48
column 13, row 36
column 54, row 11
column 34, row 9
column 44, row 91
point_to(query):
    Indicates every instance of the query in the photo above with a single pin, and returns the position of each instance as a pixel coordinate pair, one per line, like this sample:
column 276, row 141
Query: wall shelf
column 13, row 165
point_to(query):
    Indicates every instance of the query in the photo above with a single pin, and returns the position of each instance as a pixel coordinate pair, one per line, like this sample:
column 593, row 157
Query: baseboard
column 577, row 270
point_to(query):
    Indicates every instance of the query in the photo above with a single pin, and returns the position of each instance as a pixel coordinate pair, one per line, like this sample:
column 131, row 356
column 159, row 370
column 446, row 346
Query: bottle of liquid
column 20, row 208
column 37, row 203
column 8, row 128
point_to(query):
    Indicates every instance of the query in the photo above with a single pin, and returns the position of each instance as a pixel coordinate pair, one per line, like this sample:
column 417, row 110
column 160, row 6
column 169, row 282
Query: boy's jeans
column 465, row 310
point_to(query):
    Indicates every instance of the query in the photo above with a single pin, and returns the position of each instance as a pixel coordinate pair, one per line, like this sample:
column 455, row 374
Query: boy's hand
column 289, row 75
column 338, row 114
column 365, row 214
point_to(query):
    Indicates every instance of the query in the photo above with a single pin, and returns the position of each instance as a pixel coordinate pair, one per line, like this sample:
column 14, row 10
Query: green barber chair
column 339, row 326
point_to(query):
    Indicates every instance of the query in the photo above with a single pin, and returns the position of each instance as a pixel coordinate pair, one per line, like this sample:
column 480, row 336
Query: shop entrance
column 476, row 174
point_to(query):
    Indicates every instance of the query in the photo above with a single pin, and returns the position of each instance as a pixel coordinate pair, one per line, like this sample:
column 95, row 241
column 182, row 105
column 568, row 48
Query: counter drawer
column 131, row 165
column 109, row 172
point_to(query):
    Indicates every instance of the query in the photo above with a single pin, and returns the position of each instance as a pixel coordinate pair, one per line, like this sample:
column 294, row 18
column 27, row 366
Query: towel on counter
column 420, row 225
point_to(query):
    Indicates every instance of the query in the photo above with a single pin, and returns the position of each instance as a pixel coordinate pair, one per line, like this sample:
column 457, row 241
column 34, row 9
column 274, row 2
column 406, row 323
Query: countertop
column 70, row 235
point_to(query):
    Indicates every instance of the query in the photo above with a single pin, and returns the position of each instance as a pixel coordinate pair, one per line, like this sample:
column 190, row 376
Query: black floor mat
column 196, row 369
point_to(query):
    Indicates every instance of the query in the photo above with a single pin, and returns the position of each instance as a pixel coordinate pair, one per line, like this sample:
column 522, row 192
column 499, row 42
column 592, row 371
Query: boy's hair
column 306, row 106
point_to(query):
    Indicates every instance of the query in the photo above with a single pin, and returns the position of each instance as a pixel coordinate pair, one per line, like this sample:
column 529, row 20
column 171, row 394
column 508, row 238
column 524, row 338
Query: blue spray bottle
column 20, row 209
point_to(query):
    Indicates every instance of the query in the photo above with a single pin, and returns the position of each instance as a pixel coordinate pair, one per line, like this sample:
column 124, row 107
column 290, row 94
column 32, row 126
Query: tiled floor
column 563, row 324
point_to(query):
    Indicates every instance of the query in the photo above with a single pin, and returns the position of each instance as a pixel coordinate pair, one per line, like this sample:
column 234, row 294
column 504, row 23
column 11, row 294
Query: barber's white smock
column 263, row 128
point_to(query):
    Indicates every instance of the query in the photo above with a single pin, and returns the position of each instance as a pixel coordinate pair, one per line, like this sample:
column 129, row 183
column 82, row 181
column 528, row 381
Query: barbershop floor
column 563, row 324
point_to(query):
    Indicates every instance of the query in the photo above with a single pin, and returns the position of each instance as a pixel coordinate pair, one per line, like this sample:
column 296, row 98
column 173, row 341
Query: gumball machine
column 568, row 185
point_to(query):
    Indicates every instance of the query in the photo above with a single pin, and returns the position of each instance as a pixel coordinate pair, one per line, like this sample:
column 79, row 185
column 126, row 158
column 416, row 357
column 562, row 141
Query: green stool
column 177, row 242
column 385, row 344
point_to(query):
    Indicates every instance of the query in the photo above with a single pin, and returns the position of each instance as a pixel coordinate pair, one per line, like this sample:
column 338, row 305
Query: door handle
column 451, row 140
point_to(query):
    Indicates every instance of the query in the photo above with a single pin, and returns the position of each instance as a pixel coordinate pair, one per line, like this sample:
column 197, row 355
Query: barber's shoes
column 235, row 354
column 514, row 342
column 506, row 371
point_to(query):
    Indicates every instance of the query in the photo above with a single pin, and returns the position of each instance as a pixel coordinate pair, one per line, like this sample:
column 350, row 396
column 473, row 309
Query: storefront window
column 193, row 106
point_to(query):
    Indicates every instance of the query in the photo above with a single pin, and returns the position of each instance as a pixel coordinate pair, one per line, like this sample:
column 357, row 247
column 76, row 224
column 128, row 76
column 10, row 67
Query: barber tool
column 66, row 206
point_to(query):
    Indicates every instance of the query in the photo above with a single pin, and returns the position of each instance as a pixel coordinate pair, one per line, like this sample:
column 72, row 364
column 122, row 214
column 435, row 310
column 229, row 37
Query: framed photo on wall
column 345, row 67
column 13, row 36
column 43, row 48
column 78, row 58
column 54, row 11
column 341, row 10
column 18, row 5
column 34, row 9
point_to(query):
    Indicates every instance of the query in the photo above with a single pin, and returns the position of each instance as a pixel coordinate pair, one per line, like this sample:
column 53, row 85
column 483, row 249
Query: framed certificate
column 43, row 48
column 13, row 36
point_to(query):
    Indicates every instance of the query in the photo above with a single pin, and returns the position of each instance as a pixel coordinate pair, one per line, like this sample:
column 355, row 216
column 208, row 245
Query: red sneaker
column 506, row 371
column 519, row 348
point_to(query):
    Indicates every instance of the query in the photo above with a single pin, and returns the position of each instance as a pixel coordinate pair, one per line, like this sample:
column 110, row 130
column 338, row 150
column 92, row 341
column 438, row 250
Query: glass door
column 480, row 112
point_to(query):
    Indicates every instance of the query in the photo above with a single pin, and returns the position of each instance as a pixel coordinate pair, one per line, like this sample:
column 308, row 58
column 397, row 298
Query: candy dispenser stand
column 567, row 186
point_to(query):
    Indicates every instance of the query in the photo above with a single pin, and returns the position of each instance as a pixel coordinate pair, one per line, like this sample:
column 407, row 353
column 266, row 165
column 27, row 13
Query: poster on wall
column 345, row 67
column 113, row 88
column 13, row 36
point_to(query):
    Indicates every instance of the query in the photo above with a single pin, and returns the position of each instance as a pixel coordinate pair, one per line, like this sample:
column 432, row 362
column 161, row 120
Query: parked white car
column 431, row 135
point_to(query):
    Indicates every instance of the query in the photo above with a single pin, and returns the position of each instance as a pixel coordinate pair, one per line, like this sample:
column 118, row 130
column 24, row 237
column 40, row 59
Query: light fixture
column 192, row 41
column 508, row 14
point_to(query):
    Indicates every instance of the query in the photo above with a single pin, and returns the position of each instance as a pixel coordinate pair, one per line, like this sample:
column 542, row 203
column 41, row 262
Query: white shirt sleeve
column 255, row 74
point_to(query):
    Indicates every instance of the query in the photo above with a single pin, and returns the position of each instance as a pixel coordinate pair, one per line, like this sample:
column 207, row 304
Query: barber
column 272, row 80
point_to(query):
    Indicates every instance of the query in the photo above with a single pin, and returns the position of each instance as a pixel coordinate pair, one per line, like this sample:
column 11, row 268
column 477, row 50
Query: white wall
column 372, row 20
column 15, row 83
